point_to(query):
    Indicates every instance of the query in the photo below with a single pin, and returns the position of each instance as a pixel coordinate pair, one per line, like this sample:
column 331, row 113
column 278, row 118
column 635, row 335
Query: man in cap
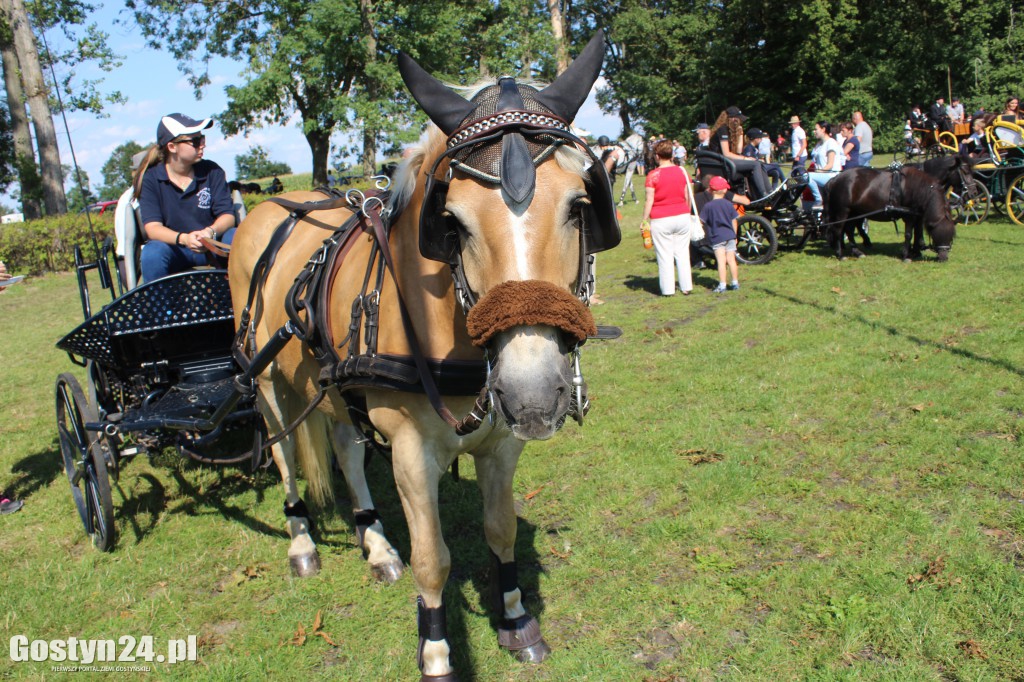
column 753, row 150
column 955, row 111
column 703, row 131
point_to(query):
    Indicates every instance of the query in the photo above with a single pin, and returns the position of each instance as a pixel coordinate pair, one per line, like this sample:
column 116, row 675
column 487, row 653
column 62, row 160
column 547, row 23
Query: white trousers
column 671, row 238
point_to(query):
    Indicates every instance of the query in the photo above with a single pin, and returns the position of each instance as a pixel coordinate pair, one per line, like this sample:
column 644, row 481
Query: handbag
column 696, row 228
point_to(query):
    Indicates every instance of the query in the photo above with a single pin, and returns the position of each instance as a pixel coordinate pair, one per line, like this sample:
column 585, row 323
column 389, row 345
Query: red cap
column 718, row 183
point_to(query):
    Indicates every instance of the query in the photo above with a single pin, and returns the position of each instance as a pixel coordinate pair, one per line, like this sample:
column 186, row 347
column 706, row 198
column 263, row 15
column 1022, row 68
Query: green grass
column 762, row 476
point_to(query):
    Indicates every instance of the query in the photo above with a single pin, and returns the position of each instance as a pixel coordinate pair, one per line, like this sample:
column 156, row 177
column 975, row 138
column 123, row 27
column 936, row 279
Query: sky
column 153, row 86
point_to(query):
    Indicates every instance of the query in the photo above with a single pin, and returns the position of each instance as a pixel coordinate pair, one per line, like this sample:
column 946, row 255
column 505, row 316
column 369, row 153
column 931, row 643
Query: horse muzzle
column 530, row 327
column 531, row 382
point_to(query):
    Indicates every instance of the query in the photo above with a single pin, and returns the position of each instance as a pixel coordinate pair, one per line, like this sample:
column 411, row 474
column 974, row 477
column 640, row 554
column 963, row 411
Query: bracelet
column 177, row 240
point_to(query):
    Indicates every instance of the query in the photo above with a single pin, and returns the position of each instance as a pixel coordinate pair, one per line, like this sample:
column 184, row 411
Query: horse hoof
column 534, row 654
column 388, row 573
column 305, row 565
column 450, row 677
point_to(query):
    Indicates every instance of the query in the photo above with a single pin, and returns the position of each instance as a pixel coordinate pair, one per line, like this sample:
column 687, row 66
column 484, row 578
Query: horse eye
column 455, row 225
column 576, row 211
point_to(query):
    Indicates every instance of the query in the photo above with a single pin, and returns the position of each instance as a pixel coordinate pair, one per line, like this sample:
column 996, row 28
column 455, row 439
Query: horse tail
column 313, row 449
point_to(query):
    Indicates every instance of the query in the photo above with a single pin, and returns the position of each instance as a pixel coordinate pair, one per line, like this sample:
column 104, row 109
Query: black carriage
column 778, row 220
column 161, row 373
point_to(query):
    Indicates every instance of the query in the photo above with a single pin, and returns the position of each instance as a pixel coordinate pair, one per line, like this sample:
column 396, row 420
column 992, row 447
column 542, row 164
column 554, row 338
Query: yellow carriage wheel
column 971, row 206
column 1015, row 200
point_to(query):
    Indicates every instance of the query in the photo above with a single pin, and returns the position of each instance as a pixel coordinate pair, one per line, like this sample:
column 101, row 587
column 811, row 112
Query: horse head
column 520, row 208
column 926, row 193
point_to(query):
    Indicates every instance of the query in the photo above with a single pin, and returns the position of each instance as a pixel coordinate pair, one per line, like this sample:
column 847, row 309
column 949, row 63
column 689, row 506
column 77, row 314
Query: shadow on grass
column 893, row 331
column 218, row 495
column 35, row 472
column 461, row 510
column 962, row 237
column 646, row 284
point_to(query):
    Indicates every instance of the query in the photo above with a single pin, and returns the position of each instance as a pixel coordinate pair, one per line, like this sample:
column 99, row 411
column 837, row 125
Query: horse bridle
column 439, row 239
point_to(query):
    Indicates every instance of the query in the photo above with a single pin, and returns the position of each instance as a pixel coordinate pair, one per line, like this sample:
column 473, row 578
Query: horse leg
column 302, row 554
column 849, row 228
column 385, row 564
column 862, row 228
column 518, row 631
column 918, row 237
column 418, row 464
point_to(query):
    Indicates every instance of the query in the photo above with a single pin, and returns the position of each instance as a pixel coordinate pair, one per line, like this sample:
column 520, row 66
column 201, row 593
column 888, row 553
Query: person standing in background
column 798, row 143
column 668, row 209
column 866, row 136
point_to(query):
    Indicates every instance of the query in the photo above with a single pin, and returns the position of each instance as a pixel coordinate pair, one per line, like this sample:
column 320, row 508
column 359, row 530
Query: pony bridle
column 500, row 137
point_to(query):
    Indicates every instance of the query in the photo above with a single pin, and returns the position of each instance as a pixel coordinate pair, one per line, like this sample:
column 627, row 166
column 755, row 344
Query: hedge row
column 48, row 244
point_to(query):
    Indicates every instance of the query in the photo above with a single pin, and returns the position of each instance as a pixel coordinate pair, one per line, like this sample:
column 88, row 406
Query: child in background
column 719, row 217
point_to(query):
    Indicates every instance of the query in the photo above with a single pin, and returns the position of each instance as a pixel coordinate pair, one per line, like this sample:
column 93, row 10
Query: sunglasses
column 196, row 142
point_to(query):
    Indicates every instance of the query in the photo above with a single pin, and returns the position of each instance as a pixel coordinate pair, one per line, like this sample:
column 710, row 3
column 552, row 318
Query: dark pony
column 952, row 172
column 906, row 193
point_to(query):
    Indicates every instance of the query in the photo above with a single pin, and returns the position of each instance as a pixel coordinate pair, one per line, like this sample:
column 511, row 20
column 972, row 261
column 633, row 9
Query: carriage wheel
column 907, row 154
column 972, row 206
column 756, row 242
column 1015, row 200
column 84, row 463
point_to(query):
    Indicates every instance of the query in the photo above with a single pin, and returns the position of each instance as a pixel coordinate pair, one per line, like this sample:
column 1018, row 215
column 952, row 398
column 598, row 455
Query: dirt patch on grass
column 1009, row 544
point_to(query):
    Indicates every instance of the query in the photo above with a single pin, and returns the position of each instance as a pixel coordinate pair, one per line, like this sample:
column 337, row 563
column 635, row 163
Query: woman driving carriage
column 727, row 140
column 183, row 198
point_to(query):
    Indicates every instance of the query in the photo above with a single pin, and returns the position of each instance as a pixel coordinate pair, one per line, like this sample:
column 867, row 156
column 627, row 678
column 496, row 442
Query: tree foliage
column 677, row 62
column 117, row 171
column 256, row 164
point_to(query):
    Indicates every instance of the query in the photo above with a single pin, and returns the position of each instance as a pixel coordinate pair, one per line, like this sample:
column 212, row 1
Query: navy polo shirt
column 195, row 208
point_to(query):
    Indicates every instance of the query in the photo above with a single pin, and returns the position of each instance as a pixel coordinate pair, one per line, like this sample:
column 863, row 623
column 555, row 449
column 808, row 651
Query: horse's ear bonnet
column 501, row 135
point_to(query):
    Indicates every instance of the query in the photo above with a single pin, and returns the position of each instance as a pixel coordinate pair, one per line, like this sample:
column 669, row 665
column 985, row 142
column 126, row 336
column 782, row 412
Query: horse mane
column 407, row 173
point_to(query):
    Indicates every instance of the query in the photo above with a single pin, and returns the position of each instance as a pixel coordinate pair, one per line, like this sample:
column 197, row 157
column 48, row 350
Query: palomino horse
column 905, row 193
column 494, row 284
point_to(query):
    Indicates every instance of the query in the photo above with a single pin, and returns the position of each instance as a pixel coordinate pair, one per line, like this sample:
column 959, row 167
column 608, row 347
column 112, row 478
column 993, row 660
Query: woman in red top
column 668, row 208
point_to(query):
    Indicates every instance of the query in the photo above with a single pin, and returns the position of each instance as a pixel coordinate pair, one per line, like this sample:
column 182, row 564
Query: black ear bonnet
column 500, row 136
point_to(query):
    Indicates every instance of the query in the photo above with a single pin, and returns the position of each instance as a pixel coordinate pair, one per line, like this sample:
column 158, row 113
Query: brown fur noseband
column 527, row 303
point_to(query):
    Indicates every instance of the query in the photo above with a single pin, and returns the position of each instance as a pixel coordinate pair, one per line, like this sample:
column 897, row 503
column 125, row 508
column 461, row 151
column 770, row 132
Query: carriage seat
column 130, row 236
column 1005, row 141
column 708, row 162
column 1006, row 135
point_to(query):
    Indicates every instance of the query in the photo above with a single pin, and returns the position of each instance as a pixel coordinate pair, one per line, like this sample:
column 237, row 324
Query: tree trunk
column 24, row 156
column 320, row 144
column 627, row 124
column 558, row 31
column 370, row 128
column 36, row 93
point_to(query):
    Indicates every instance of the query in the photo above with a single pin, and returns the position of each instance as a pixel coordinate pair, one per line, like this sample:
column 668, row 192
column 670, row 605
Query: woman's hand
column 193, row 240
